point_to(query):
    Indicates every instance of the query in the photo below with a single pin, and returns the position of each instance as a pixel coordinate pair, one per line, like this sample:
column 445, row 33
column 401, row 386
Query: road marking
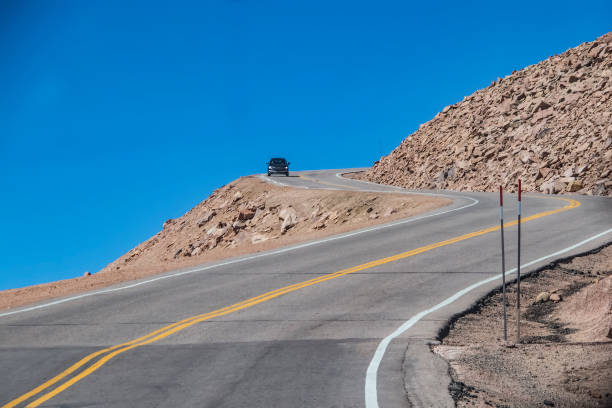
column 270, row 180
column 183, row 324
column 341, row 177
column 397, row 190
column 371, row 393
column 248, row 258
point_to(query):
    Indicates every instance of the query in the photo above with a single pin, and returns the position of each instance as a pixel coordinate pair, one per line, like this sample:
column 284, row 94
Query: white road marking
column 371, row 394
column 279, row 251
column 270, row 180
column 399, row 189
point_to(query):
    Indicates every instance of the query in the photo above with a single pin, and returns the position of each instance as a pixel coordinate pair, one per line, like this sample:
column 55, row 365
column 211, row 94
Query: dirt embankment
column 565, row 355
column 245, row 216
column 549, row 124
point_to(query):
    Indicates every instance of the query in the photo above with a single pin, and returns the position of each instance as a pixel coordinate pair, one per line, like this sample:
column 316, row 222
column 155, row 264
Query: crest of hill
column 549, row 124
column 243, row 217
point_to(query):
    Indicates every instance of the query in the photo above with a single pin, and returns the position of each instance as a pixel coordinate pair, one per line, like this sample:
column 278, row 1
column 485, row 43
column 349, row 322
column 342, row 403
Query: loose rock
column 207, row 217
column 511, row 130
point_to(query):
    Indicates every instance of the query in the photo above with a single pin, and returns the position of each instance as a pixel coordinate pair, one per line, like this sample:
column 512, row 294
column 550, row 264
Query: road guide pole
column 518, row 271
column 501, row 219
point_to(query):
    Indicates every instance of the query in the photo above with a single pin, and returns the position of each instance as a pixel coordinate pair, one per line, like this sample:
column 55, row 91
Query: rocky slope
column 250, row 215
column 245, row 216
column 549, row 124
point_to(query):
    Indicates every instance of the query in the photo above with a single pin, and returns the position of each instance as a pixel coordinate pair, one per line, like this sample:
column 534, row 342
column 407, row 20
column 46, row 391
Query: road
column 329, row 318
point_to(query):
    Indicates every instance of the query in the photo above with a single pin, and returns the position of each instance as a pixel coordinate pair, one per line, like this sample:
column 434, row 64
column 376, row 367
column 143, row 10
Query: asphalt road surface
column 312, row 325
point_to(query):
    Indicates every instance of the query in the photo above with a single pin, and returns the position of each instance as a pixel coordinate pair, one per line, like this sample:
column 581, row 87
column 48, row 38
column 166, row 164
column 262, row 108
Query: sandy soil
column 245, row 216
column 565, row 355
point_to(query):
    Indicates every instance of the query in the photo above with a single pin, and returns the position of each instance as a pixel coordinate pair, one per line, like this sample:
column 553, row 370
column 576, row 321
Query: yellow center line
column 185, row 323
column 90, row 357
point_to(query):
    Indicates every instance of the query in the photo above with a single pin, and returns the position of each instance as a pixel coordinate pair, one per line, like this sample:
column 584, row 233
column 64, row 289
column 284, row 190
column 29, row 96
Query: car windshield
column 278, row 162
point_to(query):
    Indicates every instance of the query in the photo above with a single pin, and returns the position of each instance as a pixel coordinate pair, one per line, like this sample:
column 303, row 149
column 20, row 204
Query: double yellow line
column 110, row 352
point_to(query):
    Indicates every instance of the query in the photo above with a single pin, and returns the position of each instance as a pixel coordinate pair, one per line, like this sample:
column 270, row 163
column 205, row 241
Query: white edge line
column 371, row 394
column 279, row 251
column 398, row 189
column 270, row 180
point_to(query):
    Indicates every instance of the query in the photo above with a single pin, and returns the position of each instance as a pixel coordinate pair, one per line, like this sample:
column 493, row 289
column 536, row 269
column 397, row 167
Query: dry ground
column 243, row 217
column 565, row 355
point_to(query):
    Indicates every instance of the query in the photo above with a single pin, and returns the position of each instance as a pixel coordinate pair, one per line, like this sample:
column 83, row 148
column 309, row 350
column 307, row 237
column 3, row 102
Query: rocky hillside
column 250, row 215
column 243, row 217
column 549, row 124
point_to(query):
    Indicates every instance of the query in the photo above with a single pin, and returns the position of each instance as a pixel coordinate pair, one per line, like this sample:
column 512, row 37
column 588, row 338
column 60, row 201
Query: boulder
column 389, row 211
column 559, row 186
column 318, row 225
column 525, row 157
column 211, row 243
column 258, row 238
column 574, row 186
column 246, row 214
column 569, row 172
column 555, row 297
column 463, row 164
column 207, row 217
column 218, row 230
column 238, row 225
column 315, row 213
column 544, row 171
column 580, row 170
column 441, row 176
column 584, row 147
column 541, row 105
column 237, row 196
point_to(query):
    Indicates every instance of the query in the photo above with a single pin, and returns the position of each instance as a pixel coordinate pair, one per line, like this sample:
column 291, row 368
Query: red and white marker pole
column 518, row 271
column 503, row 254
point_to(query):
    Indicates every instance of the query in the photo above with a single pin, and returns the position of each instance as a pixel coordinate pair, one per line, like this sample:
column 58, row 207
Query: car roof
column 278, row 158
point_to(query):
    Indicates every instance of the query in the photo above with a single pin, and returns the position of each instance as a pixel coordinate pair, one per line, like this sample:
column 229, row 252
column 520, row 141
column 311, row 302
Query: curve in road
column 378, row 290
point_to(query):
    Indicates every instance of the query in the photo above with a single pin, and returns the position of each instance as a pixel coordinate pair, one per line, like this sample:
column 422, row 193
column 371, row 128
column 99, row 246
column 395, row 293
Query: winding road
column 338, row 322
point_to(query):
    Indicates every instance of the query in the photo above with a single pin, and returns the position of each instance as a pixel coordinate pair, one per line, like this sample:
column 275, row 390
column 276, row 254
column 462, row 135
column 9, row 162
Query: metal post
column 503, row 253
column 518, row 271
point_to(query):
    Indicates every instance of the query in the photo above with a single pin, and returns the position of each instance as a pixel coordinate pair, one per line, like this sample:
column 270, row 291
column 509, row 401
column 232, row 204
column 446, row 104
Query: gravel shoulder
column 243, row 217
column 564, row 358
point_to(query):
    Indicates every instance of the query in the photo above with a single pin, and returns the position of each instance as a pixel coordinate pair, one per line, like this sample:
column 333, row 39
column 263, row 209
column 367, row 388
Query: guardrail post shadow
column 518, row 271
column 503, row 254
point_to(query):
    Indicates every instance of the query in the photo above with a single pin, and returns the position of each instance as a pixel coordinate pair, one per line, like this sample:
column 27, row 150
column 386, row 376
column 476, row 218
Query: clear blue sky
column 114, row 118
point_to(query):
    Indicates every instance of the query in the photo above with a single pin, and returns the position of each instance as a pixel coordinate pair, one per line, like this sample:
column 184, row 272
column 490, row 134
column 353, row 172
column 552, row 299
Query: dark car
column 278, row 165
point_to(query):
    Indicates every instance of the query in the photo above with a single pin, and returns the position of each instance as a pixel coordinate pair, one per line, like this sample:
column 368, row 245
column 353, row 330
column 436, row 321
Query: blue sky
column 114, row 118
